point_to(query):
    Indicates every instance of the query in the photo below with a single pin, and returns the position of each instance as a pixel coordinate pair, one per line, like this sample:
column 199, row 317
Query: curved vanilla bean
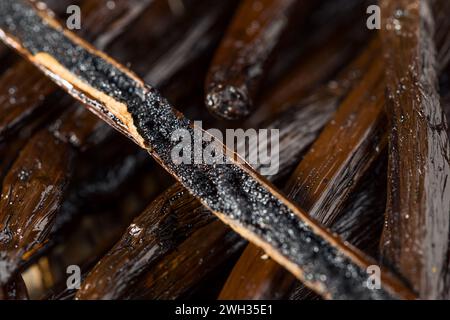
column 415, row 236
column 254, row 209
column 240, row 62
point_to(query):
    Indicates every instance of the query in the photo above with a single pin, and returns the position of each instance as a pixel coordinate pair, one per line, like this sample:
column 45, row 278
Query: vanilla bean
column 298, row 43
column 415, row 236
column 301, row 123
column 343, row 152
column 18, row 240
column 10, row 148
column 151, row 235
column 256, row 210
column 184, row 269
column 22, row 91
column 362, row 219
column 331, row 47
column 240, row 62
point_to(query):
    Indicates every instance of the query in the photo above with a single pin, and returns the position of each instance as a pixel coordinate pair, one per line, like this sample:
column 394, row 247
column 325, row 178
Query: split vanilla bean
column 299, row 127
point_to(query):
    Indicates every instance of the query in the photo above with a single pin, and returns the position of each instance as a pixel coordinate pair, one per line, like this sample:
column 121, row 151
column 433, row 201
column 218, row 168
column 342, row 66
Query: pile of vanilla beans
column 364, row 151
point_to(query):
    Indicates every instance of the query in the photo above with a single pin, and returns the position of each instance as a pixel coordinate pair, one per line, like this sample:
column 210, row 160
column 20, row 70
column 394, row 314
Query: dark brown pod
column 22, row 233
column 240, row 62
column 415, row 236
